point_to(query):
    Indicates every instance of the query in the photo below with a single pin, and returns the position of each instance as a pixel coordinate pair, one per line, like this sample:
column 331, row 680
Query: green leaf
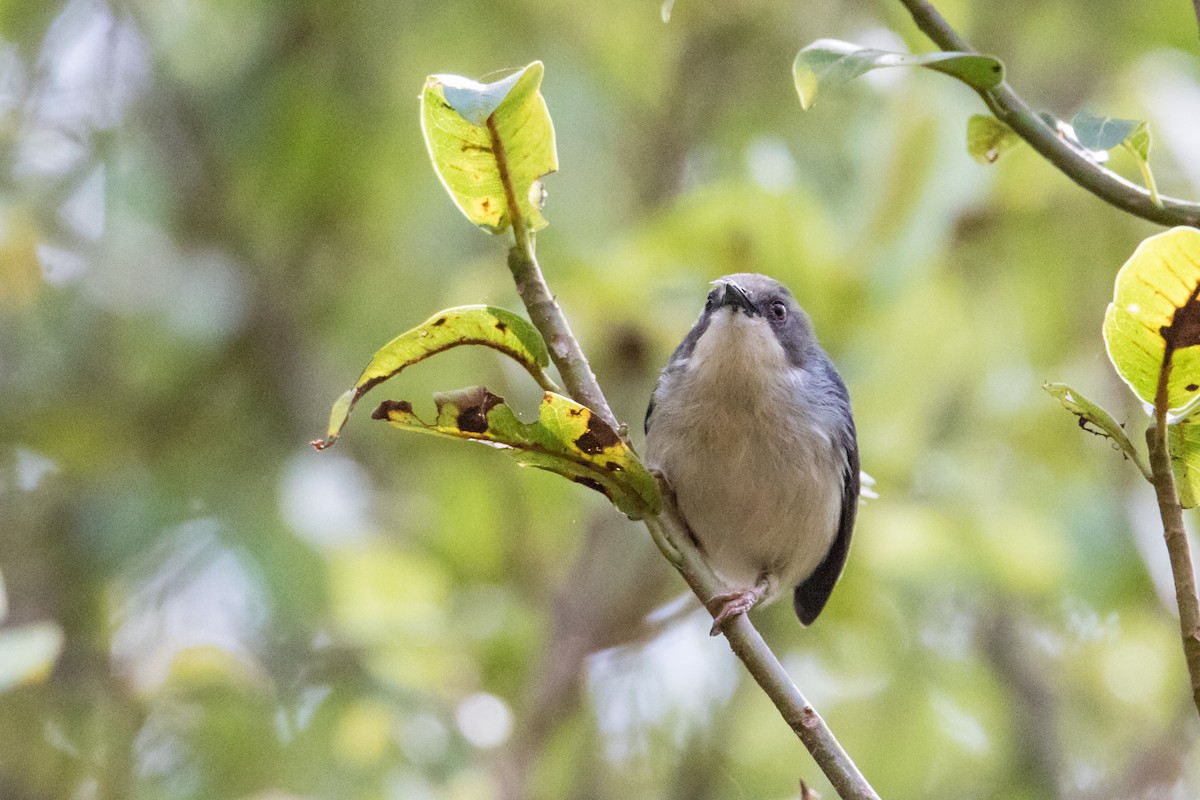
column 491, row 144
column 988, row 138
column 1154, row 303
column 490, row 326
column 28, row 653
column 1102, row 133
column 1096, row 415
column 830, row 63
column 1184, row 443
column 567, row 438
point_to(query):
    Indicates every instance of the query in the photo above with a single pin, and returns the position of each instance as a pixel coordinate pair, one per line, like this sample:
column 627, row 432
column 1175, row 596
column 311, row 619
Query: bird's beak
column 735, row 297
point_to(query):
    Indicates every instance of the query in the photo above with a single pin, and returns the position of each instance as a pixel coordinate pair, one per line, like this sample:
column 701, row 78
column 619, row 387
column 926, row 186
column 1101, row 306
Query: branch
column 1173, row 531
column 746, row 642
column 1008, row 106
column 544, row 311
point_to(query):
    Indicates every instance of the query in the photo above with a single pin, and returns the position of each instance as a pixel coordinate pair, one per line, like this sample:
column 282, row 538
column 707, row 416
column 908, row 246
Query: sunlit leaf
column 829, row 63
column 491, row 143
column 988, row 138
column 567, row 438
column 28, row 653
column 483, row 325
column 1155, row 303
column 1184, row 443
column 1096, row 415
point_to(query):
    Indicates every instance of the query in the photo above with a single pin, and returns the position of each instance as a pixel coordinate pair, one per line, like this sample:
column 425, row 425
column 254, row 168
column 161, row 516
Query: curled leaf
column 830, row 63
column 490, row 326
column 1097, row 416
column 1155, row 306
column 567, row 438
column 491, row 144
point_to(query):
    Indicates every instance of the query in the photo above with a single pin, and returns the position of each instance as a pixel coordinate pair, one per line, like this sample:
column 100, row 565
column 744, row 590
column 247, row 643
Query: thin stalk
column 544, row 310
column 1008, row 106
column 1174, row 532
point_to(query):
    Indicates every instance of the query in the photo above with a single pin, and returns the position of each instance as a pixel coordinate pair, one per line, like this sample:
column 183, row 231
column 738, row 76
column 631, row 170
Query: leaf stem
column 1008, row 106
column 1174, row 532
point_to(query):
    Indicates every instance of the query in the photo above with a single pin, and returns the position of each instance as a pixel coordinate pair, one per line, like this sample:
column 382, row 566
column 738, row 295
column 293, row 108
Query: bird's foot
column 727, row 605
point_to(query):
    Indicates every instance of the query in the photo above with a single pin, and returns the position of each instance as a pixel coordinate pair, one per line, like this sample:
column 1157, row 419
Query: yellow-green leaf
column 1184, row 444
column 829, row 63
column 1154, row 303
column 988, row 138
column 567, row 438
column 491, row 144
column 490, row 326
column 1096, row 415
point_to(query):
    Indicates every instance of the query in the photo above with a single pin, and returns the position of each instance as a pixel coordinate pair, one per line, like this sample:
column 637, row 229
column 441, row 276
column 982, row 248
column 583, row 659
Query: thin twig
column 746, row 642
column 1008, row 106
column 1172, row 520
column 665, row 529
column 543, row 309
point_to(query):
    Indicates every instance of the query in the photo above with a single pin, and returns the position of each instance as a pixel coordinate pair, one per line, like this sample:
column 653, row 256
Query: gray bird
column 750, row 427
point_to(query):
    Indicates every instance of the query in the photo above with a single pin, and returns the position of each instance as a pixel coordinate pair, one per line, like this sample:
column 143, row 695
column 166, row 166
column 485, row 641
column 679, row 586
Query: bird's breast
column 755, row 463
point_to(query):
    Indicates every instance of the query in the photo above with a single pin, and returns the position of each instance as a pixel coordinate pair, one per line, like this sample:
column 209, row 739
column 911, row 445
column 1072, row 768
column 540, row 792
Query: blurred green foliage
column 211, row 211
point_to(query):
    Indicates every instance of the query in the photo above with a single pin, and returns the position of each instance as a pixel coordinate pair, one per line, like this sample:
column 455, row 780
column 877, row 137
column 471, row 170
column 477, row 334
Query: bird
column 750, row 431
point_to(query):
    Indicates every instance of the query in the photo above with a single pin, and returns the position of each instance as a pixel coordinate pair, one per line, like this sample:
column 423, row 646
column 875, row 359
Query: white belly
column 757, row 474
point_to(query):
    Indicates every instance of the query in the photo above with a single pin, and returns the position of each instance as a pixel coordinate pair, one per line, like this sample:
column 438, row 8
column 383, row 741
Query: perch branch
column 1008, row 106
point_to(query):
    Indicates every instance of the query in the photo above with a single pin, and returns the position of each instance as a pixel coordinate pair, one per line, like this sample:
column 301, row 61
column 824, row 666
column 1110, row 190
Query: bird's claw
column 727, row 605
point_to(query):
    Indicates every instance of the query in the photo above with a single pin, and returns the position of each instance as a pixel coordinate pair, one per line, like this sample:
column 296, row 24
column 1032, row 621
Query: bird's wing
column 811, row 595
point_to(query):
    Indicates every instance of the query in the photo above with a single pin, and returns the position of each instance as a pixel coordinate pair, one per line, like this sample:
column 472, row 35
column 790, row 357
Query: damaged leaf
column 1095, row 415
column 1155, row 304
column 829, row 63
column 490, row 326
column 491, row 144
column 567, row 438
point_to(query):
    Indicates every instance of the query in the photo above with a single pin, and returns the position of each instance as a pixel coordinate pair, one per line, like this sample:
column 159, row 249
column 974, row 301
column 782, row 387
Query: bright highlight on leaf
column 491, row 144
column 483, row 325
column 1155, row 304
column 1105, row 133
column 567, row 439
column 988, row 138
column 829, row 63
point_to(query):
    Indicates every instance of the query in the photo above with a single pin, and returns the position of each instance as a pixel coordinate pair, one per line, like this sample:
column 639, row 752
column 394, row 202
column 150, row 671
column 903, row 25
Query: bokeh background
column 213, row 211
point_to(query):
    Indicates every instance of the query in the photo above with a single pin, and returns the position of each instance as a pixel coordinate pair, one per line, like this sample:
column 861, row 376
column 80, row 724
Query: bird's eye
column 778, row 310
column 709, row 303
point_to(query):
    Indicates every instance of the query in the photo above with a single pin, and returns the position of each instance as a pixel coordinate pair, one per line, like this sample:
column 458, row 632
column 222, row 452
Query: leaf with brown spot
column 480, row 325
column 551, row 443
column 1155, row 306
